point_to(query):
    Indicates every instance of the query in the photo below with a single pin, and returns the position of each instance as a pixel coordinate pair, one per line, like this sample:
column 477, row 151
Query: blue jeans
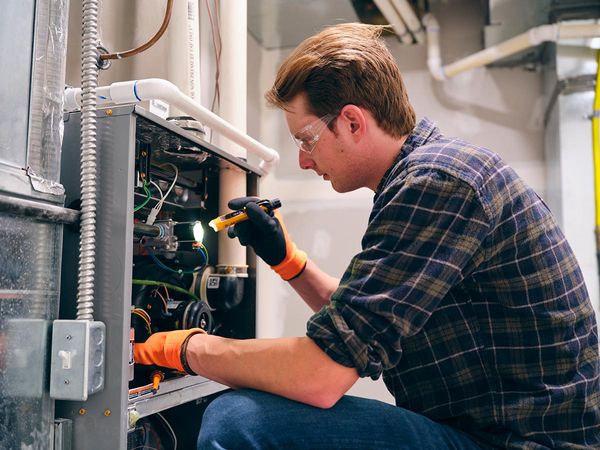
column 247, row 419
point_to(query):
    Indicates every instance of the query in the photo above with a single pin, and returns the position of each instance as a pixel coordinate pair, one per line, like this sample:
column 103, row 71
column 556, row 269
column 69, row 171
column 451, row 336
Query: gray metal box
column 77, row 359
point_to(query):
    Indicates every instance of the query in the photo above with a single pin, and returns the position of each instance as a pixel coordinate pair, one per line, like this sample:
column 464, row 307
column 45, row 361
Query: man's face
column 319, row 148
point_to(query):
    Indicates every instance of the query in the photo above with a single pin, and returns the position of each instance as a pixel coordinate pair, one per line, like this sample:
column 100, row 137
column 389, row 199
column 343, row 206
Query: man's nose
column 305, row 160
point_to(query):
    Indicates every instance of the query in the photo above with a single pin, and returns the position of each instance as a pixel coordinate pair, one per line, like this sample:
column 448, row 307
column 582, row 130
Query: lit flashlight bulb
column 198, row 231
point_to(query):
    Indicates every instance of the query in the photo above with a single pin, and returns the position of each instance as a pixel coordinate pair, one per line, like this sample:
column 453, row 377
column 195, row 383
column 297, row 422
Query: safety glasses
column 309, row 135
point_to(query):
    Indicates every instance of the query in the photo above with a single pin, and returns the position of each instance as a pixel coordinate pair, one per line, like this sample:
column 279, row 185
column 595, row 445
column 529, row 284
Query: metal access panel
column 139, row 157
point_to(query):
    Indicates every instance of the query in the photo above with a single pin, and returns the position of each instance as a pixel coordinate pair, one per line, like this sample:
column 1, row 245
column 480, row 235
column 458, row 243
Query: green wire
column 168, row 285
column 145, row 202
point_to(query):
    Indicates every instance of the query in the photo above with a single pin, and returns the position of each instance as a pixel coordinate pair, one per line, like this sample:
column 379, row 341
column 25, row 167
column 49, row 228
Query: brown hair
column 346, row 64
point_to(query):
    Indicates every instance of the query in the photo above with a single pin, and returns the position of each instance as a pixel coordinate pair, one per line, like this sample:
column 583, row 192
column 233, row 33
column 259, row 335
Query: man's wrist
column 183, row 355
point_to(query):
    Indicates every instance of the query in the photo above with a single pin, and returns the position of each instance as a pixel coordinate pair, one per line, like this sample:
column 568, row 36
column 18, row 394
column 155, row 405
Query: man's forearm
column 314, row 286
column 294, row 367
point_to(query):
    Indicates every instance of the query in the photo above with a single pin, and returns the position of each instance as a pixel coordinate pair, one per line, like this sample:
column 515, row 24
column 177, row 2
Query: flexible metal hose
column 89, row 83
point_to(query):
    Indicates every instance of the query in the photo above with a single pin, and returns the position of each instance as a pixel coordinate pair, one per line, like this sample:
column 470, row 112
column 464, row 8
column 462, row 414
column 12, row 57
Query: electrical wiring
column 149, row 43
column 216, row 37
column 163, row 266
column 146, row 200
column 176, row 171
column 166, row 291
column 144, row 313
column 169, row 285
column 156, row 292
column 160, row 192
column 170, row 430
column 202, row 249
column 144, row 316
column 156, row 209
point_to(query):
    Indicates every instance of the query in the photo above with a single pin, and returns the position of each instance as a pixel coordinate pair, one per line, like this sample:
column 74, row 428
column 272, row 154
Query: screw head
column 82, row 411
column 107, row 412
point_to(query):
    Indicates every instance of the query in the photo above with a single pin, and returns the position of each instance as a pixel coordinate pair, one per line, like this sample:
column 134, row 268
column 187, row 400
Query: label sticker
column 213, row 282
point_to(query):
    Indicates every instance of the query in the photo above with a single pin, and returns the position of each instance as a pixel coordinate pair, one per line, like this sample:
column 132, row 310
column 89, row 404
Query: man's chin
column 342, row 189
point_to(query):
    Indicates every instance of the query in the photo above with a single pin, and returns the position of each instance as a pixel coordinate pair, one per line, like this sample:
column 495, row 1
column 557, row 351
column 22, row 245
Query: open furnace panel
column 158, row 187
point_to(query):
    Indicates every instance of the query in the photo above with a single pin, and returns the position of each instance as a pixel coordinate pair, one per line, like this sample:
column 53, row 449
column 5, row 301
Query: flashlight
column 240, row 215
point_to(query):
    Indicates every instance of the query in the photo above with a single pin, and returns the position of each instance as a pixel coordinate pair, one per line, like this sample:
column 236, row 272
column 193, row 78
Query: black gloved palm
column 264, row 233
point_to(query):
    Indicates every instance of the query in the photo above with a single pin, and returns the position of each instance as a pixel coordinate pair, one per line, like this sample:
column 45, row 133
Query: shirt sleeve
column 424, row 233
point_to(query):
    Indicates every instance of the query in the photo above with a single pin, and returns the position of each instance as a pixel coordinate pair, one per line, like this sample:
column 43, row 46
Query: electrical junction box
column 77, row 359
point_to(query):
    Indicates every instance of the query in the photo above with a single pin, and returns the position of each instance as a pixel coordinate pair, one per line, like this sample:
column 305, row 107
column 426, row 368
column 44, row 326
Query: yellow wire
column 596, row 140
column 143, row 317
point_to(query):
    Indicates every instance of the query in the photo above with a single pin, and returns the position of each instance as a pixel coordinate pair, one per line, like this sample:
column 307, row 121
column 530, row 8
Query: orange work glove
column 166, row 349
column 294, row 262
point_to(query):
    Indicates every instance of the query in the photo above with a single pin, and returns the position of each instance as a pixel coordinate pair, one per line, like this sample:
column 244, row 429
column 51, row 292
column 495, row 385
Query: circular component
column 103, row 64
column 197, row 315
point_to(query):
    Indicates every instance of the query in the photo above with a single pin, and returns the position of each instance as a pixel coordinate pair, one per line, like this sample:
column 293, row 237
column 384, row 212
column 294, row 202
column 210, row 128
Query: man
column 466, row 296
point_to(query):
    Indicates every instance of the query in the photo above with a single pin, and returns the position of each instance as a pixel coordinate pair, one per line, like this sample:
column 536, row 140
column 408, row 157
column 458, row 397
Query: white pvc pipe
column 392, row 16
column 531, row 38
column 232, row 107
column 155, row 88
column 183, row 56
column 434, row 58
column 234, row 35
column 410, row 18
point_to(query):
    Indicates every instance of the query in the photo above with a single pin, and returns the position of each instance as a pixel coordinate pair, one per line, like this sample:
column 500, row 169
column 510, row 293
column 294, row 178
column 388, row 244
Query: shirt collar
column 424, row 131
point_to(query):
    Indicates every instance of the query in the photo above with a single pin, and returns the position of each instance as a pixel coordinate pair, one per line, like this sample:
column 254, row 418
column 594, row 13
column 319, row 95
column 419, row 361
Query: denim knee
column 228, row 422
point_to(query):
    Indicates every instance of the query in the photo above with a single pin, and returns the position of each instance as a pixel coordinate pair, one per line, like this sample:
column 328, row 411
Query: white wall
column 498, row 108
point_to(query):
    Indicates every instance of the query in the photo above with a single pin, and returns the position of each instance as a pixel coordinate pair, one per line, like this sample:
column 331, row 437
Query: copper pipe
column 147, row 45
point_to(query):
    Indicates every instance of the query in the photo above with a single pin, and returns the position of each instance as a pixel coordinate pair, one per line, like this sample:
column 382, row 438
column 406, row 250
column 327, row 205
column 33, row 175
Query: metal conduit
column 89, row 83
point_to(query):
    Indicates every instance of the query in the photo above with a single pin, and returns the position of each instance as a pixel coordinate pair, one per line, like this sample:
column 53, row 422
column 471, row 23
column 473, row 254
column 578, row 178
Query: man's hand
column 166, row 349
column 268, row 237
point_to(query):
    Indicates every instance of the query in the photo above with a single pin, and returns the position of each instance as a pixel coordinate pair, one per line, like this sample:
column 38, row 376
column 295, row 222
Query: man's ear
column 354, row 119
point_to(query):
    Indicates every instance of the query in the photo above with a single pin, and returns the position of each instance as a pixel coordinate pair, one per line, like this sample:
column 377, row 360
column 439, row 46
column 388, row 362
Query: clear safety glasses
column 308, row 136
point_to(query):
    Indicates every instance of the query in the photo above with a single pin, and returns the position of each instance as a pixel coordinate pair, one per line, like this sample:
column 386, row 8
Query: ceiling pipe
column 531, row 38
column 156, row 89
column 392, row 16
column 434, row 58
column 408, row 15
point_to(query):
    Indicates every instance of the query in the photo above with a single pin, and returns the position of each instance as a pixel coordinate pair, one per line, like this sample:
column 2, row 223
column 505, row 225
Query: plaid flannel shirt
column 468, row 299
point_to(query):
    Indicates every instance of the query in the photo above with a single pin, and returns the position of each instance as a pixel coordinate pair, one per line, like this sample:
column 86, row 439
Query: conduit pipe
column 156, row 89
column 392, row 16
column 596, row 152
column 531, row 38
column 87, row 239
column 413, row 23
